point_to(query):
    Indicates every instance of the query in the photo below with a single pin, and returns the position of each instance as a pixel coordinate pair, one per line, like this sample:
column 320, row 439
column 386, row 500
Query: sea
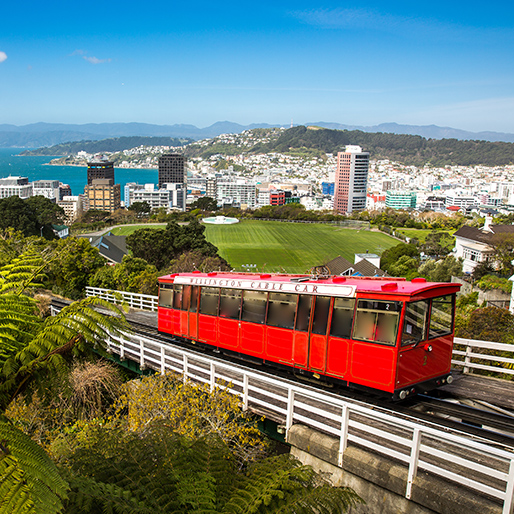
column 37, row 168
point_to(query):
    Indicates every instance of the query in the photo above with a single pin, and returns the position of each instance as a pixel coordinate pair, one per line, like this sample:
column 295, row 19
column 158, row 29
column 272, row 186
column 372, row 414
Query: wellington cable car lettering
column 266, row 285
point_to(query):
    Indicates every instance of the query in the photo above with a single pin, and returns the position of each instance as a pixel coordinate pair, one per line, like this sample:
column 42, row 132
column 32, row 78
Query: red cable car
column 387, row 334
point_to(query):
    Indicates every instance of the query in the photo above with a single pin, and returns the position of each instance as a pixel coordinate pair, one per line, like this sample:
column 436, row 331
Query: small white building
column 476, row 245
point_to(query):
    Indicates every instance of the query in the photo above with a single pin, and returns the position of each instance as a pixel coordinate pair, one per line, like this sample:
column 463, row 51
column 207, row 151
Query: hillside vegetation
column 407, row 149
column 113, row 144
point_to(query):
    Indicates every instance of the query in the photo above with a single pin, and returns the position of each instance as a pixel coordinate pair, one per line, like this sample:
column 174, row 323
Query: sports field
column 291, row 247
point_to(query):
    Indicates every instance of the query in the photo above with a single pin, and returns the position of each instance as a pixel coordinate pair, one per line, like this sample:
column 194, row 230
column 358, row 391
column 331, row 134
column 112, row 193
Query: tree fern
column 29, row 481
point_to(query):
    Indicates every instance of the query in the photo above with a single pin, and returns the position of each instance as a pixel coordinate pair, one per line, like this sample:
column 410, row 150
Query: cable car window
column 281, row 310
column 415, row 322
column 209, row 301
column 441, row 316
column 254, row 306
column 303, row 314
column 186, row 296
column 194, row 299
column 230, row 303
column 177, row 297
column 342, row 317
column 165, row 297
column 377, row 321
column 320, row 318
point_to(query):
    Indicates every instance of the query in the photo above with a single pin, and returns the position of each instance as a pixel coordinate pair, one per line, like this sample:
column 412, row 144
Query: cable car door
column 193, row 313
column 318, row 336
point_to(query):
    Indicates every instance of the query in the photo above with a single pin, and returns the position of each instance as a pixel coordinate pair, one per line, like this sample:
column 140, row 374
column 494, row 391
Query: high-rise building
column 103, row 195
column 47, row 188
column 100, row 168
column 351, row 180
column 172, row 169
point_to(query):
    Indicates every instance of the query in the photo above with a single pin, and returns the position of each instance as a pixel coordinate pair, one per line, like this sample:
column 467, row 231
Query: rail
column 484, row 469
column 465, row 352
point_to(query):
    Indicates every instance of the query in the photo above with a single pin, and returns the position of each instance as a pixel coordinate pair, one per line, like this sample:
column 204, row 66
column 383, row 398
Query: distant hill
column 407, row 149
column 36, row 135
column 116, row 144
column 428, row 131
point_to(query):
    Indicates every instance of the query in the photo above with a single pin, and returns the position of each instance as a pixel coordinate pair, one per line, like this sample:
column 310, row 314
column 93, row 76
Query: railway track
column 484, row 424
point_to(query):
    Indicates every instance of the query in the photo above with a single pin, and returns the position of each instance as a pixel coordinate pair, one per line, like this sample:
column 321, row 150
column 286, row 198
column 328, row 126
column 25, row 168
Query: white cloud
column 3, row 56
column 95, row 60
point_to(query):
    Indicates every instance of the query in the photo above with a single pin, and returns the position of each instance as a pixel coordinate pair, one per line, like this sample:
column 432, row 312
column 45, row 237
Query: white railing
column 144, row 302
column 465, row 358
column 452, row 456
column 468, row 356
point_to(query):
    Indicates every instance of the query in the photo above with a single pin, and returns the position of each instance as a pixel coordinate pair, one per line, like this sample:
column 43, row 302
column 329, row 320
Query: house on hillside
column 113, row 248
column 476, row 245
column 366, row 265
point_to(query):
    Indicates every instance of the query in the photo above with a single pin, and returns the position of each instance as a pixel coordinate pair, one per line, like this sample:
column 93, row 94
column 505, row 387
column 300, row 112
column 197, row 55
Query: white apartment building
column 460, row 200
column 239, row 190
column 73, row 207
column 171, row 196
column 15, row 186
column 47, row 188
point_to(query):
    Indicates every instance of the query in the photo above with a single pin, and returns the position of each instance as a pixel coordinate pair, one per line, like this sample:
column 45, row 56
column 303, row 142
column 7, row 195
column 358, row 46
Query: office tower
column 351, row 180
column 103, row 195
column 100, row 168
column 172, row 169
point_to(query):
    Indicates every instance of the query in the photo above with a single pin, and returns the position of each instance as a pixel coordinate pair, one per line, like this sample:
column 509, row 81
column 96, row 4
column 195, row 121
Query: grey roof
column 477, row 234
column 364, row 268
column 113, row 248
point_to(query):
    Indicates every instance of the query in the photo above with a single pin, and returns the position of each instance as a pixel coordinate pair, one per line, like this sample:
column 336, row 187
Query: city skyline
column 448, row 64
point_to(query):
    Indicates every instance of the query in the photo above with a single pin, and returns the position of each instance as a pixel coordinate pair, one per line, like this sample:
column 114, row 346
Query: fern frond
column 29, row 481
column 22, row 272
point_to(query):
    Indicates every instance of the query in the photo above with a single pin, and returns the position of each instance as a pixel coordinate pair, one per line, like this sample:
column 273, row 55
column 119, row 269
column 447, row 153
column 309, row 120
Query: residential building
column 476, row 245
column 15, row 186
column 239, row 191
column 73, row 207
column 277, row 197
column 351, row 180
column 47, row 188
column 400, row 199
column 113, row 248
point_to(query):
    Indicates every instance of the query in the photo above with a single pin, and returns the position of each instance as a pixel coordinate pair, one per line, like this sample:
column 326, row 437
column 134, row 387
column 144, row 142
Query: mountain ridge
column 48, row 134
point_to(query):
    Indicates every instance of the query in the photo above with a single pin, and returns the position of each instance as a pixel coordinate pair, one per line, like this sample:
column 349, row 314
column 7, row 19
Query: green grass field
column 421, row 234
column 291, row 247
column 126, row 231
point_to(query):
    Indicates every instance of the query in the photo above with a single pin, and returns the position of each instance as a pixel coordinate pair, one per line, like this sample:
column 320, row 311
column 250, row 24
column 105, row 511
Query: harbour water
column 36, row 168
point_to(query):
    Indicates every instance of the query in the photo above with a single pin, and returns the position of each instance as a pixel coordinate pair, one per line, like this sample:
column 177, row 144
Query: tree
column 438, row 244
column 17, row 213
column 489, row 324
column 504, row 253
column 158, row 247
column 442, row 270
column 121, row 471
column 391, row 256
column 29, row 346
column 140, row 208
column 47, row 214
column 205, row 203
column 75, row 261
column 195, row 260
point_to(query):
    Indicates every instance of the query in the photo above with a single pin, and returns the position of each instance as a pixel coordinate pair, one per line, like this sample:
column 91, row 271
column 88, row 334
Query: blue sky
column 443, row 63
